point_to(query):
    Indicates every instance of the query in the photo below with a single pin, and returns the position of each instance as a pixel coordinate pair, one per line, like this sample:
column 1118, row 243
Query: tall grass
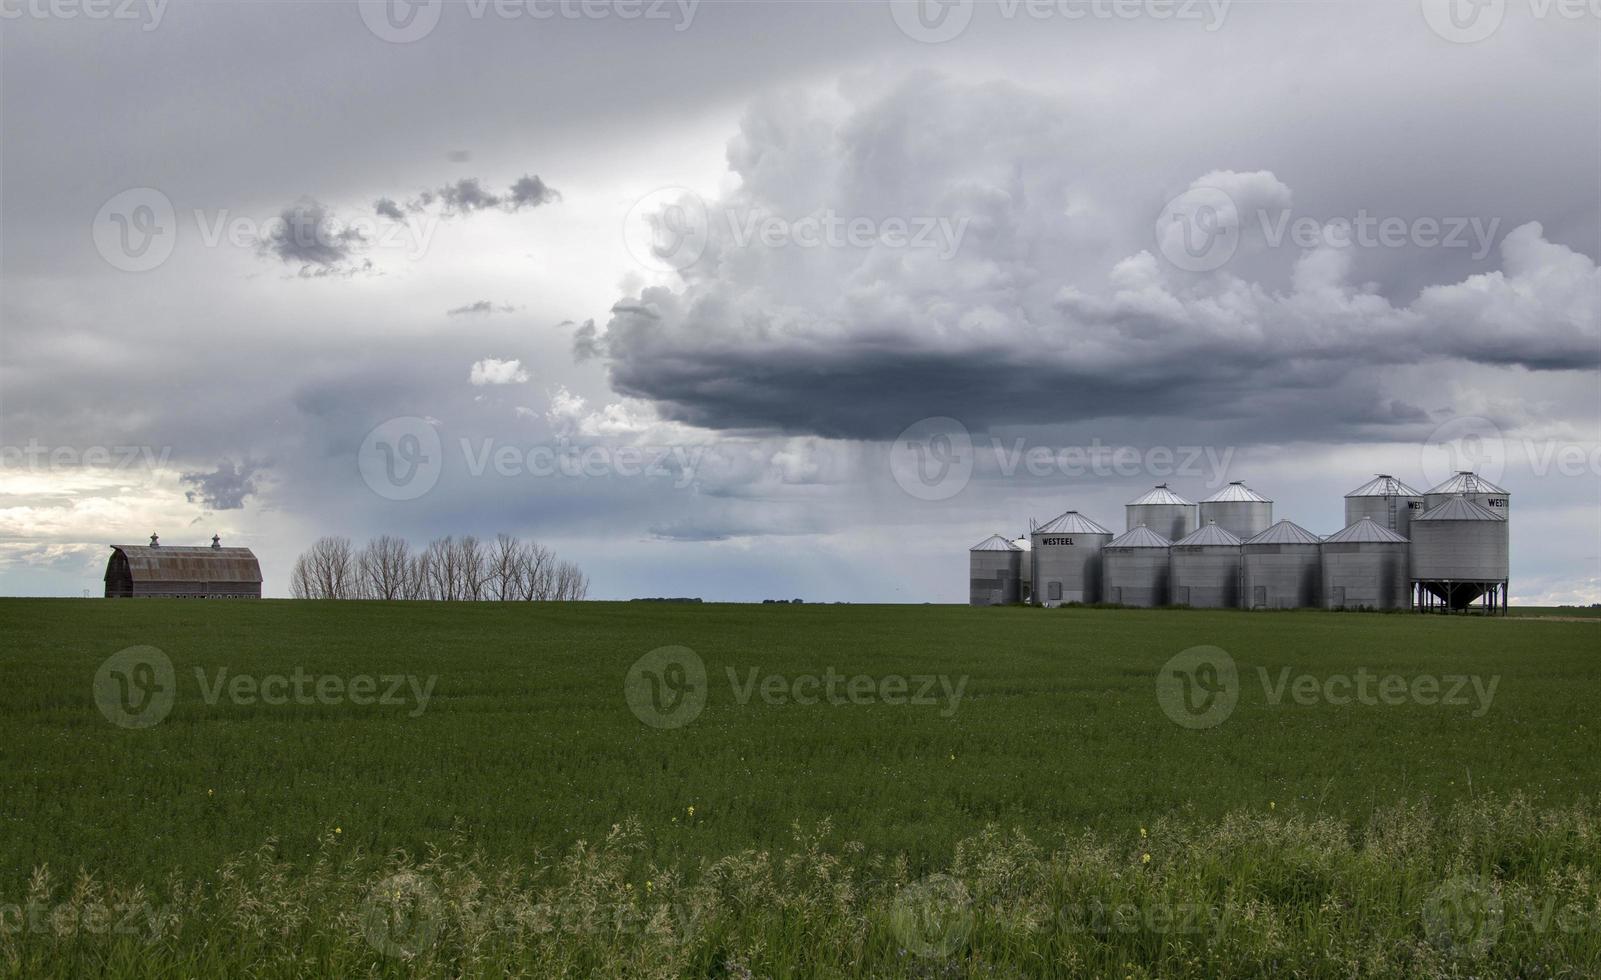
column 1485, row 888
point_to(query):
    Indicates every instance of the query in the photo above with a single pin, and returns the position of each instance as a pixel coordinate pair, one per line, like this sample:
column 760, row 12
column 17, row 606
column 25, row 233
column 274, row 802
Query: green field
column 527, row 745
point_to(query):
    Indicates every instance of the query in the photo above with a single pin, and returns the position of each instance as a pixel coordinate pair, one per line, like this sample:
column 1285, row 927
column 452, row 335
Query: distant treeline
column 450, row 569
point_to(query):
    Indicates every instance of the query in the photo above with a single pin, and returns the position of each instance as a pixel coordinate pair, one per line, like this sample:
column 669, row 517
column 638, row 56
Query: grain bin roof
column 1236, row 492
column 1211, row 534
column 1459, row 509
column 995, row 543
column 1285, row 532
column 1365, row 531
column 1384, row 485
column 1071, row 522
column 164, row 564
column 1160, row 494
column 1139, row 537
column 1467, row 481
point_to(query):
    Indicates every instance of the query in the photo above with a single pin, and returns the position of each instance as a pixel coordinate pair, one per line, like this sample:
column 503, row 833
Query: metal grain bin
column 1067, row 559
column 1391, row 504
column 1026, row 545
column 1283, row 568
column 1238, row 510
column 1460, row 551
column 1163, row 511
column 1475, row 488
column 1136, row 568
column 1205, row 569
column 1365, row 566
column 995, row 572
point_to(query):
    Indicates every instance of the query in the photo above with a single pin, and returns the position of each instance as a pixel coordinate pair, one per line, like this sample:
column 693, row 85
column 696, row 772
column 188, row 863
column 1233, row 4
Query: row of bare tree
column 451, row 569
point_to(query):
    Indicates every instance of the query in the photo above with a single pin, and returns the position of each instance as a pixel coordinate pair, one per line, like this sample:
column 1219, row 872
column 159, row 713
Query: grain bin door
column 1116, row 598
column 1259, row 597
column 1339, row 597
column 1181, row 595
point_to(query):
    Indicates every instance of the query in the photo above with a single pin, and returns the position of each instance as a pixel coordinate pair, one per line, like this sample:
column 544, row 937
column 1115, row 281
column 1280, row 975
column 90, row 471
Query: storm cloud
column 1025, row 320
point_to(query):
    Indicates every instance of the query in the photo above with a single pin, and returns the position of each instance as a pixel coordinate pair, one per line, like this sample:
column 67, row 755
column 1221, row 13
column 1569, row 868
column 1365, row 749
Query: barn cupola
column 155, row 542
column 216, row 541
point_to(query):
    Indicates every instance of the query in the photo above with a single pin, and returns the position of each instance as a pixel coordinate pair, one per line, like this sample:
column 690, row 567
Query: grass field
column 1043, row 722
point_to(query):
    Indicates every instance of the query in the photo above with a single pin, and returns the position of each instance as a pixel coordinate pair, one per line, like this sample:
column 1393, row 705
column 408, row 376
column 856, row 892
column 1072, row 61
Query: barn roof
column 165, row 564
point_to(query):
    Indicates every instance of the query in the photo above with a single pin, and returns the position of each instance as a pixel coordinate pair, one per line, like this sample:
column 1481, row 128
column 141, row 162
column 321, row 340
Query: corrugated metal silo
column 1365, row 567
column 1026, row 545
column 1283, row 568
column 1475, row 488
column 1391, row 503
column 1205, row 568
column 1163, row 511
column 1067, row 559
column 1460, row 551
column 1238, row 510
column 1137, row 567
column 995, row 572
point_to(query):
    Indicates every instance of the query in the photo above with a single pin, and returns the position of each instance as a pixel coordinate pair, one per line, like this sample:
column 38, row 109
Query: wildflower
column 649, row 884
column 1145, row 858
column 210, row 791
column 692, row 809
column 339, row 830
column 1142, row 832
column 1271, row 805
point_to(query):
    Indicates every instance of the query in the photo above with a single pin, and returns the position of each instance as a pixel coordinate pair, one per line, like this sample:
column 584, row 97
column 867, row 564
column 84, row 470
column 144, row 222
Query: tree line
column 451, row 569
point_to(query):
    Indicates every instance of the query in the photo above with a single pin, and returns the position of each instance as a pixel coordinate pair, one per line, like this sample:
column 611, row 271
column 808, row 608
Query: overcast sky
column 746, row 300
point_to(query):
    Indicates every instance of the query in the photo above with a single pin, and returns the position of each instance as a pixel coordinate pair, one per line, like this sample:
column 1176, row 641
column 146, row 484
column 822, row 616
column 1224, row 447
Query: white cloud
column 491, row 371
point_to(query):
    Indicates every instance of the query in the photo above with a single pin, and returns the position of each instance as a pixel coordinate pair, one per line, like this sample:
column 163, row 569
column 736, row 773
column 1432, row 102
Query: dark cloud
column 468, row 195
column 586, row 342
column 482, row 307
column 225, row 488
column 1019, row 316
column 311, row 235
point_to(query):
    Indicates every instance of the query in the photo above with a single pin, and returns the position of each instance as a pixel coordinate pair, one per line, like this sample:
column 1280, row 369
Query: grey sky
column 867, row 228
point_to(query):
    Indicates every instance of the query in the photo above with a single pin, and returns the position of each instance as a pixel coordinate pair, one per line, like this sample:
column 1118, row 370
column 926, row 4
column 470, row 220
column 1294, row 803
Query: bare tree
column 449, row 569
column 504, row 561
column 326, row 570
column 534, row 572
column 473, row 561
column 444, row 577
column 417, row 577
column 383, row 568
column 570, row 583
